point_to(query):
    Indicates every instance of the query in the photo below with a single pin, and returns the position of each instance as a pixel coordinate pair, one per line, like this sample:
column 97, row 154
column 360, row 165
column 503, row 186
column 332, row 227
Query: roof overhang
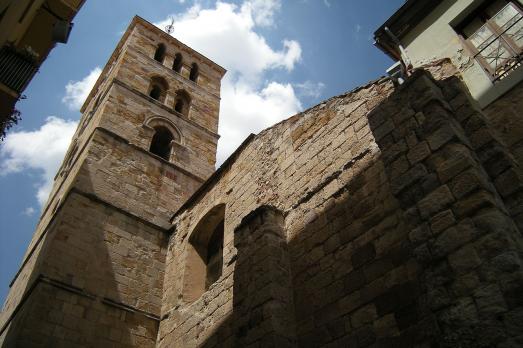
column 410, row 14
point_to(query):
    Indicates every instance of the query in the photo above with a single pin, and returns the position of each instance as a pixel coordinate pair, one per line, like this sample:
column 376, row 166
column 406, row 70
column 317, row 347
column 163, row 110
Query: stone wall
column 505, row 116
column 106, row 268
column 399, row 227
column 102, row 235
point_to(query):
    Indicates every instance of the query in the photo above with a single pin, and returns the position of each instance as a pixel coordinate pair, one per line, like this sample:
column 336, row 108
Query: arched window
column 159, row 55
column 204, row 260
column 182, row 102
column 214, row 256
column 178, row 62
column 194, row 72
column 161, row 142
column 155, row 92
column 158, row 88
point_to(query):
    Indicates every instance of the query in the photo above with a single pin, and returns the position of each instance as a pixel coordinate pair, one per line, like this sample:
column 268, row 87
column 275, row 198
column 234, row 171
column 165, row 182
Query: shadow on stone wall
column 418, row 249
column 95, row 280
column 262, row 314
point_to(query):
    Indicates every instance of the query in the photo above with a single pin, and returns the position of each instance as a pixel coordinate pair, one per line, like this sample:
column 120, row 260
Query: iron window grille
column 497, row 45
column 16, row 70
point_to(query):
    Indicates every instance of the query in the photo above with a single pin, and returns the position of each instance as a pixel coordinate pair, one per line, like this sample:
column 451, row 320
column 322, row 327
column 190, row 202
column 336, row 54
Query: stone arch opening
column 161, row 142
column 193, row 76
column 158, row 88
column 182, row 102
column 204, row 254
column 154, row 122
column 159, row 54
column 178, row 62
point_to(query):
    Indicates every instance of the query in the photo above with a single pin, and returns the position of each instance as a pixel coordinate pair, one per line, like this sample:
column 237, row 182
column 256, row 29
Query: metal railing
column 499, row 54
column 16, row 70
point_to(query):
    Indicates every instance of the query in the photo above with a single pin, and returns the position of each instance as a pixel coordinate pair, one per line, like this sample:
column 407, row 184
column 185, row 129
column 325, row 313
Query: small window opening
column 159, row 55
column 177, row 65
column 158, row 88
column 194, row 72
column 155, row 93
column 214, row 256
column 179, row 106
column 204, row 258
column 182, row 103
column 161, row 143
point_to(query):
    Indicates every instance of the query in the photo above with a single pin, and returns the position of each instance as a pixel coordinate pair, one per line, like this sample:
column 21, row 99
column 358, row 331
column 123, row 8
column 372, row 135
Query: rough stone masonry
column 389, row 216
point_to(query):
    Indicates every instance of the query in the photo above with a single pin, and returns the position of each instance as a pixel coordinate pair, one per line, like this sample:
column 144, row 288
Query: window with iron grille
column 494, row 36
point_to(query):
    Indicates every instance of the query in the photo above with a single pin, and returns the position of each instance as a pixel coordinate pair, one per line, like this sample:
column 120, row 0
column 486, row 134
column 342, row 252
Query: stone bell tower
column 93, row 273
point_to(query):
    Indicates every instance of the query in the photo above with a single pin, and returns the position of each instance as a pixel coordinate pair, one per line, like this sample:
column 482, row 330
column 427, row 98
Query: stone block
column 363, row 315
column 414, row 174
column 353, row 281
column 467, row 182
column 452, row 238
column 473, row 203
column 363, row 255
column 422, row 91
column 435, row 202
column 508, row 182
column 386, row 326
column 489, row 300
column 442, row 136
column 418, row 153
column 464, row 259
column 397, row 297
column 441, row 221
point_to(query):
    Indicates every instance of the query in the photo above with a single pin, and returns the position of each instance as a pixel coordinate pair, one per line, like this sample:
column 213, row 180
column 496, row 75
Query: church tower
column 93, row 273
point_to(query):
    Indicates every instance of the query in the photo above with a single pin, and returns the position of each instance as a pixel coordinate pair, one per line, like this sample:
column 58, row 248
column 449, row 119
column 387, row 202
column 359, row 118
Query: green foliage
column 11, row 120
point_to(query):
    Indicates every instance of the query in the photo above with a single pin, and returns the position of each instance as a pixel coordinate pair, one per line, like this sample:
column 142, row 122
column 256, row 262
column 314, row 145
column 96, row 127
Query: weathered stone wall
column 102, row 234
column 505, row 116
column 197, row 151
column 102, row 257
column 133, row 180
column 399, row 225
column 138, row 66
column 58, row 316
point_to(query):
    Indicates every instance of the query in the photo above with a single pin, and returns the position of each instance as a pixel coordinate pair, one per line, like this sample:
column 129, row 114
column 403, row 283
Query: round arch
column 204, row 254
column 160, row 121
column 158, row 88
column 182, row 102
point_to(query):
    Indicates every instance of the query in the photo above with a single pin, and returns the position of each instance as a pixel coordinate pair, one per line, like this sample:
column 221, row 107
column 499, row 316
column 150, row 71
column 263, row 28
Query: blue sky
column 282, row 56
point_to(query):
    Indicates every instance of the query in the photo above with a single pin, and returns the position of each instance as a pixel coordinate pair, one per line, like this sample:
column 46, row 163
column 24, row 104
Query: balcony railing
column 16, row 70
column 498, row 44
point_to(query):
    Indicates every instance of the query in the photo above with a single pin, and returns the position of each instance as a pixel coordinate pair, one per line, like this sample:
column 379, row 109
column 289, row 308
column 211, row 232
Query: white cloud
column 245, row 111
column 226, row 33
column 41, row 150
column 29, row 211
column 77, row 91
column 310, row 89
column 327, row 3
column 262, row 11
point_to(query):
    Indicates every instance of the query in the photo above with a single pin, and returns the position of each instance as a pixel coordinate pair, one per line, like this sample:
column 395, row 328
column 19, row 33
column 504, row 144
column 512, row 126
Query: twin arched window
column 159, row 55
column 158, row 91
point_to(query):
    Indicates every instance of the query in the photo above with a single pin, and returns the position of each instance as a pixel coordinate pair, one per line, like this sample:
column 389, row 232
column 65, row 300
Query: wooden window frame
column 498, row 34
